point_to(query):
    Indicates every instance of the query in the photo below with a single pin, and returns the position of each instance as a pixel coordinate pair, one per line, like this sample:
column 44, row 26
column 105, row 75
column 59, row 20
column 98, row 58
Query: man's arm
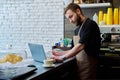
column 77, row 48
column 69, row 53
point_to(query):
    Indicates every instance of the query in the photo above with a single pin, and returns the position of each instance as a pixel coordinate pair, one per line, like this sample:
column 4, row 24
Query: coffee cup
column 48, row 62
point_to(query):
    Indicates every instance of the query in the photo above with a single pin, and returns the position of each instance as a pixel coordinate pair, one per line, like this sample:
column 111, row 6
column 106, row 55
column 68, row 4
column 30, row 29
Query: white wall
column 36, row 21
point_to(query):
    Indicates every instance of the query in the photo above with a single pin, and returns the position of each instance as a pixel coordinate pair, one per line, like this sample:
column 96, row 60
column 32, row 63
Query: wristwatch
column 63, row 57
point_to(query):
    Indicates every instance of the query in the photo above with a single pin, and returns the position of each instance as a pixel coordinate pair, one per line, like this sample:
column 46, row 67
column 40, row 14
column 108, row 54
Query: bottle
column 105, row 18
column 115, row 16
column 61, row 42
column 78, row 2
column 109, row 16
column 100, row 18
column 119, row 15
column 95, row 18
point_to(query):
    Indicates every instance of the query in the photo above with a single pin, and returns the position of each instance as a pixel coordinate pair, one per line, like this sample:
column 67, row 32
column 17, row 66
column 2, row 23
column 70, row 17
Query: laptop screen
column 37, row 52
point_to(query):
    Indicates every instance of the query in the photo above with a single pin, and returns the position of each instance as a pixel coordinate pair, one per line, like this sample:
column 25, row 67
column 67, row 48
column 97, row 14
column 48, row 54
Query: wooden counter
column 62, row 71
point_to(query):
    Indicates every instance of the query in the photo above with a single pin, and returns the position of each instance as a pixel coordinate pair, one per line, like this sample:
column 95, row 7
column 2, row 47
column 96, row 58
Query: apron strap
column 81, row 26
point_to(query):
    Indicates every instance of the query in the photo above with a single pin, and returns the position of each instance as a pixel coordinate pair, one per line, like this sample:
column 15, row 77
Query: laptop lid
column 37, row 52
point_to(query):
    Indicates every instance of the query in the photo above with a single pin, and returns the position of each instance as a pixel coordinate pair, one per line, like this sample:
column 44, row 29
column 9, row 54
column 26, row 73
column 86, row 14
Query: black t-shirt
column 90, row 36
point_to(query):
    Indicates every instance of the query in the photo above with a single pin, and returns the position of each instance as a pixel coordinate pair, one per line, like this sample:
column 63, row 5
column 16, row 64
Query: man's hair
column 73, row 7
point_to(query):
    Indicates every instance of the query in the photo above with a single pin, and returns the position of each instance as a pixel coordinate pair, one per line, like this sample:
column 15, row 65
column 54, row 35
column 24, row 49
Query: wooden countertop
column 43, row 71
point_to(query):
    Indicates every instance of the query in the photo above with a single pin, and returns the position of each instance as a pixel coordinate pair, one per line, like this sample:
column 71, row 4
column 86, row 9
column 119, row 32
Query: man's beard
column 78, row 21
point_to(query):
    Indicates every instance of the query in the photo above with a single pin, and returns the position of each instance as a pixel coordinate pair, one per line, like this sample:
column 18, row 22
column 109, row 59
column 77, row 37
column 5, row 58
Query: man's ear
column 78, row 11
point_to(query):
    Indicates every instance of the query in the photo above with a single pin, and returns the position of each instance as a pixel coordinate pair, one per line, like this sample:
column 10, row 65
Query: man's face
column 73, row 17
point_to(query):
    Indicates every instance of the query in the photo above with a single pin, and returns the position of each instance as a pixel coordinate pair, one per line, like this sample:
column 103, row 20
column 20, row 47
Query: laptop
column 37, row 52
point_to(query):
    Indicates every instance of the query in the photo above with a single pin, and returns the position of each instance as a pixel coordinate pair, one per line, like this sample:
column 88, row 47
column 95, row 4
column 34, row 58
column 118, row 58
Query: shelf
column 110, row 29
column 109, row 25
column 108, row 49
column 95, row 5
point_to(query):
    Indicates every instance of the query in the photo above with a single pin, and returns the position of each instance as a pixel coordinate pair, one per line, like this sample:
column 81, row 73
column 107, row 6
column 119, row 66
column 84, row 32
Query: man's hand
column 56, row 53
column 57, row 58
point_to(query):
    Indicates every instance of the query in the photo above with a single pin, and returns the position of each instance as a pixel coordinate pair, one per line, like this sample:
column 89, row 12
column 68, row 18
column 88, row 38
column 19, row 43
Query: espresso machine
column 110, row 40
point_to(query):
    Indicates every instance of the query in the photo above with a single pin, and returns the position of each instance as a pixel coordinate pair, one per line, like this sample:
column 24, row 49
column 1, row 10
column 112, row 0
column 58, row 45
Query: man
column 86, row 43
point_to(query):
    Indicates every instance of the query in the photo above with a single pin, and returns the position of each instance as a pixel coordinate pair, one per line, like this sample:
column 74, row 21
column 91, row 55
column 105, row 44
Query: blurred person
column 86, row 43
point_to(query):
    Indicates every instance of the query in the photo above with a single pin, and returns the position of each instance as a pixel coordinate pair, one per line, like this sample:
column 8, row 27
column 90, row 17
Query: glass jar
column 19, row 52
